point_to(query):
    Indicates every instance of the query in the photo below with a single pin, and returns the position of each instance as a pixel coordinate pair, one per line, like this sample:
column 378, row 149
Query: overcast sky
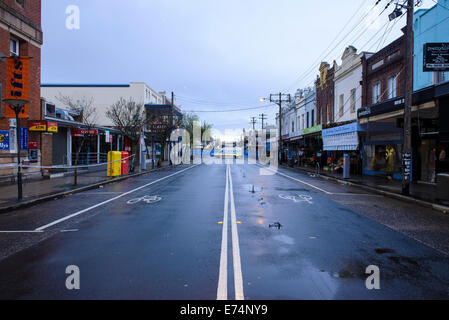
column 214, row 54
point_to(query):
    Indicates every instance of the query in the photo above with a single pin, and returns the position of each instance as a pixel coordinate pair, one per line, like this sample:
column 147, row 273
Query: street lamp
column 17, row 106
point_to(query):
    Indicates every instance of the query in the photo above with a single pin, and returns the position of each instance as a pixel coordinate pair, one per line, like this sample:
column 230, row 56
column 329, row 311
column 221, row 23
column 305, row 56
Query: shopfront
column 340, row 140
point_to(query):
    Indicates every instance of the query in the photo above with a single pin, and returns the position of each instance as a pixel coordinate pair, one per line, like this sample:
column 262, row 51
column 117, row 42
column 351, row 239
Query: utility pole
column 278, row 99
column 253, row 122
column 263, row 117
column 171, row 126
column 407, row 140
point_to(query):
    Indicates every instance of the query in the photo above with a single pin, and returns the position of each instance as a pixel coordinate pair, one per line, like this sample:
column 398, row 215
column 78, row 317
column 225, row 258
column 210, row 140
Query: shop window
column 382, row 158
column 438, row 77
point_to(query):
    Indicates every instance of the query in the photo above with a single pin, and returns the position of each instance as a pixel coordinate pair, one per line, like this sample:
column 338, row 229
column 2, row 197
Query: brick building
column 20, row 35
column 325, row 94
column 383, row 75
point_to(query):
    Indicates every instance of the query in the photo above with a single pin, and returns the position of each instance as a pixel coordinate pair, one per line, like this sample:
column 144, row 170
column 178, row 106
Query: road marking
column 147, row 199
column 238, row 278
column 300, row 181
column 70, row 230
column 222, row 291
column 110, row 200
column 18, row 231
column 297, row 198
column 322, row 190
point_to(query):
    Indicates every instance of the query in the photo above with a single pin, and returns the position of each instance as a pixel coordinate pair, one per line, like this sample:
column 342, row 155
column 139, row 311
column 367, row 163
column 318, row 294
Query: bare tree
column 161, row 125
column 128, row 117
column 87, row 115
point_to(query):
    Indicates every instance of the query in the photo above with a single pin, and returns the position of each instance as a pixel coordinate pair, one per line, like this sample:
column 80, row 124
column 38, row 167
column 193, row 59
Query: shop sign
column 17, row 75
column 347, row 128
column 312, row 130
column 82, row 132
column 436, row 57
column 52, row 127
column 4, row 140
column 37, row 125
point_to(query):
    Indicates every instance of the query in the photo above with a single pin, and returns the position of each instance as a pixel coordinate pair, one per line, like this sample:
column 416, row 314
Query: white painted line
column 322, row 190
column 27, row 231
column 110, row 200
column 238, row 278
column 222, row 291
column 357, row 194
column 300, row 181
column 70, row 230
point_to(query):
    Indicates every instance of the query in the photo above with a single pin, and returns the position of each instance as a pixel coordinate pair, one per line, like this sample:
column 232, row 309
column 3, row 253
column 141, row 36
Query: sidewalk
column 42, row 188
column 420, row 191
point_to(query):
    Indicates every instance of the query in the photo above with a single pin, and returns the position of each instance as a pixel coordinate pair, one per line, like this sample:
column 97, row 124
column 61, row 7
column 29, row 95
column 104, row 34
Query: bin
column 114, row 163
column 125, row 162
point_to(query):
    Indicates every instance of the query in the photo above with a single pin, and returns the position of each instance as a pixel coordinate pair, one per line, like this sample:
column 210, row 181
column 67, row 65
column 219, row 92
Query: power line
column 314, row 66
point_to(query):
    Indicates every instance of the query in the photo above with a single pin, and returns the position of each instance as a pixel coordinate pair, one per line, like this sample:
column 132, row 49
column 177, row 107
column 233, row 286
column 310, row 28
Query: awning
column 346, row 141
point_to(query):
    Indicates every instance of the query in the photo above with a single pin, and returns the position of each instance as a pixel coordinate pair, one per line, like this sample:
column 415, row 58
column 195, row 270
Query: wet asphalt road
column 172, row 248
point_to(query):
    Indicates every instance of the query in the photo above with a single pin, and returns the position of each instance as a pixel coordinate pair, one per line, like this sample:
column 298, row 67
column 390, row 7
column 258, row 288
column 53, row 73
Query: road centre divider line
column 110, row 200
column 222, row 291
column 238, row 278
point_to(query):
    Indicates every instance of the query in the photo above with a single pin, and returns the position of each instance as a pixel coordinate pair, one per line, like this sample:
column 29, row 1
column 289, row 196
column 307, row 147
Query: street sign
column 17, row 83
column 436, row 57
column 23, row 138
column 4, row 140
column 407, row 165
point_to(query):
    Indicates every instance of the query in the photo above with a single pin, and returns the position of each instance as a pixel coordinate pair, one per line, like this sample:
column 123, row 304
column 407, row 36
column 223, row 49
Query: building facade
column 20, row 36
column 103, row 95
column 431, row 25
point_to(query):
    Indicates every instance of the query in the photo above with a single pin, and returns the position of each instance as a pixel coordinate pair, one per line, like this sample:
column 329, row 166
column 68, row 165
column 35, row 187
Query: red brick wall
column 31, row 13
column 382, row 73
column 325, row 98
column 31, row 10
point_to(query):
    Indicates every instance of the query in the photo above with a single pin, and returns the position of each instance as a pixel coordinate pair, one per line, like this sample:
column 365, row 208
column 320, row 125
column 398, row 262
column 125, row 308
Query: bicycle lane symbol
column 147, row 199
column 297, row 198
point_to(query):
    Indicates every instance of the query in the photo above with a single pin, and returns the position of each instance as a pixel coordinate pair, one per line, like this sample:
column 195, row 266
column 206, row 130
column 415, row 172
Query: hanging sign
column 436, row 57
column 17, row 82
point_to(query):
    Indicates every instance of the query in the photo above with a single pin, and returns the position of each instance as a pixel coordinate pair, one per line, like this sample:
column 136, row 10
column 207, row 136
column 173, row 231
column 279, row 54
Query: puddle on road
column 284, row 239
